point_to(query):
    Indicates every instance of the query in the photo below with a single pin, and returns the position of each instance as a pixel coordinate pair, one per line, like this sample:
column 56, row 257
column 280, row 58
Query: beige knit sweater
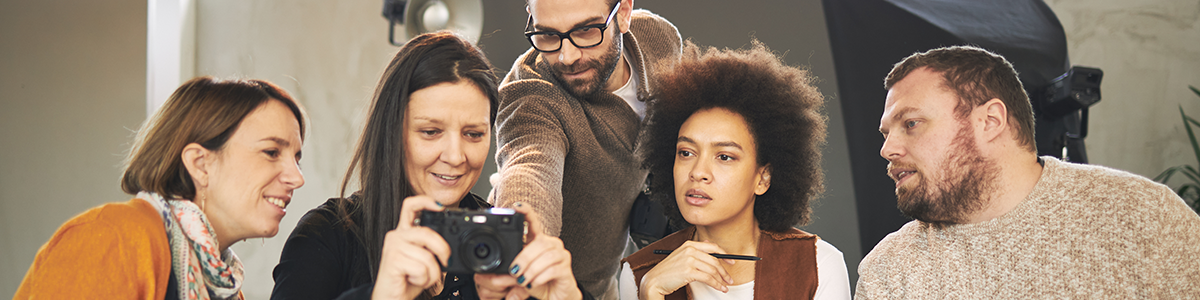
column 573, row 159
column 1085, row 232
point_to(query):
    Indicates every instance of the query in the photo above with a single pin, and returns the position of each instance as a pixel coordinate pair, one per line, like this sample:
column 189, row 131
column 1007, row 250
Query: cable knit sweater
column 1084, row 232
column 573, row 159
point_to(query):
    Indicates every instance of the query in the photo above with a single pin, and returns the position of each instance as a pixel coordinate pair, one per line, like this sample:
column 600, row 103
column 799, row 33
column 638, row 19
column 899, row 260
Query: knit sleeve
column 114, row 251
column 531, row 151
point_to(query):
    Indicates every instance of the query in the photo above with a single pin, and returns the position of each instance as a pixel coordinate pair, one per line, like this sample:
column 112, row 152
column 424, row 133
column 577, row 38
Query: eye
column 475, row 134
column 910, row 123
column 430, row 132
column 273, row 153
column 725, row 157
column 684, row 153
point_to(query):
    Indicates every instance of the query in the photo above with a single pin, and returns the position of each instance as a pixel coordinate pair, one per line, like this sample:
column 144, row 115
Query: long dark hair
column 426, row 60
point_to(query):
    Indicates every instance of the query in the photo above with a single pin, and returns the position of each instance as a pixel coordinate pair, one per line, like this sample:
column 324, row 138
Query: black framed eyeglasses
column 582, row 37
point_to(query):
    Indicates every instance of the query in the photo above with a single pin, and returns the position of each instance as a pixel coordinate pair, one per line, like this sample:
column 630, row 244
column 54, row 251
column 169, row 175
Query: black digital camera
column 481, row 241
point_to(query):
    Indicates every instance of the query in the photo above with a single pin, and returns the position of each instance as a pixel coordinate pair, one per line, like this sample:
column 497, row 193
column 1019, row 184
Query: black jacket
column 322, row 259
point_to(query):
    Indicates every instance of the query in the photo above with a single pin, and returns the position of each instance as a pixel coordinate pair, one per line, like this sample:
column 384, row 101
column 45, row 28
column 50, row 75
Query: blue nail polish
column 439, row 204
column 514, row 269
column 529, row 286
column 521, row 279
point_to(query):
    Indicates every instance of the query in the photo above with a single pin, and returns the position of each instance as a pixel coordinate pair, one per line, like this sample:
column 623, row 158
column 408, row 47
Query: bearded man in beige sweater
column 570, row 115
column 994, row 220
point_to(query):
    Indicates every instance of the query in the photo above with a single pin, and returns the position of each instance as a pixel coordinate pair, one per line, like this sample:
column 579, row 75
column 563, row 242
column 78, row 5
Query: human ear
column 625, row 15
column 763, row 182
column 995, row 118
column 196, row 160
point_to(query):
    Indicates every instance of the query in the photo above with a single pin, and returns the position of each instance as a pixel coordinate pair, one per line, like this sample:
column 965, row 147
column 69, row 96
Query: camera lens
column 482, row 250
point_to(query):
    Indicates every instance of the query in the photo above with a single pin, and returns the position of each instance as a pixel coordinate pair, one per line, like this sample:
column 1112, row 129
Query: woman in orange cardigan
column 217, row 164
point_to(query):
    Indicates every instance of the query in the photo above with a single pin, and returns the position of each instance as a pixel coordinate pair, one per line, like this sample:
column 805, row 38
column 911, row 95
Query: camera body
column 481, row 241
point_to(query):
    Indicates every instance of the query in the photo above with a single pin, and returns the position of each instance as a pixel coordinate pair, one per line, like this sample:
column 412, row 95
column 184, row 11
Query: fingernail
column 521, row 279
column 514, row 269
column 529, row 286
column 439, row 204
column 519, row 204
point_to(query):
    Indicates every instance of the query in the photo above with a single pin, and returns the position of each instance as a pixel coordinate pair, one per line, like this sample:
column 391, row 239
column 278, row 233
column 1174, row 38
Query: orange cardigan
column 114, row 251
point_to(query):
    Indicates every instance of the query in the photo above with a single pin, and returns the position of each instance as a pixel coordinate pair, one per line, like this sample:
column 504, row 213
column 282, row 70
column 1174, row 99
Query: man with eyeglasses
column 569, row 120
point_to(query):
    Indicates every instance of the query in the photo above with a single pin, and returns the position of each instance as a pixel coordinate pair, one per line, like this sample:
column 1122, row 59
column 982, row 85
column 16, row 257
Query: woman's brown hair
column 204, row 110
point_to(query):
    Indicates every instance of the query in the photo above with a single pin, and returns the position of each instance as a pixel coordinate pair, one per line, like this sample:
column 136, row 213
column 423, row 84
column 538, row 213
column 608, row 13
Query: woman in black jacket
column 423, row 148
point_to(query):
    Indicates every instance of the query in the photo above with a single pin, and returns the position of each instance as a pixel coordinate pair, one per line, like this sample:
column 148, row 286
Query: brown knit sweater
column 573, row 159
column 1084, row 232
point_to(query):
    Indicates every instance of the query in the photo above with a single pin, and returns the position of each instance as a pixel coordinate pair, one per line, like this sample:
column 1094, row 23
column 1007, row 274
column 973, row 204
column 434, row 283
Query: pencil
column 718, row 255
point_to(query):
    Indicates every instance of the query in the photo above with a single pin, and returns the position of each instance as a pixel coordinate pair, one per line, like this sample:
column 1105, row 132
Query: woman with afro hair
column 734, row 145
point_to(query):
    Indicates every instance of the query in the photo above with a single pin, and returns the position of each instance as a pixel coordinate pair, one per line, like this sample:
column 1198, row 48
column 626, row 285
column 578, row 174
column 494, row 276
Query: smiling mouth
column 277, row 202
column 446, row 177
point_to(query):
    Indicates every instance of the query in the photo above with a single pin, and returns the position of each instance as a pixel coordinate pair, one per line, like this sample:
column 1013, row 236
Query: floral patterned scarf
column 200, row 273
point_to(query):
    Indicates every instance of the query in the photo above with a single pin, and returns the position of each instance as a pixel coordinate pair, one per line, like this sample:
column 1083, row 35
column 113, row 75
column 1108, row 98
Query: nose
column 568, row 54
column 453, row 153
column 892, row 148
column 700, row 172
column 292, row 177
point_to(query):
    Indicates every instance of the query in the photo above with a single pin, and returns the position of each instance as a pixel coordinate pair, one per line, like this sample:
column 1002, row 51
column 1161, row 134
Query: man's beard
column 604, row 66
column 968, row 178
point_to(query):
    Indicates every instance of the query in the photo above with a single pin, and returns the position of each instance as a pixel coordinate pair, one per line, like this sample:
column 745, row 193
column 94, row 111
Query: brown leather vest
column 788, row 269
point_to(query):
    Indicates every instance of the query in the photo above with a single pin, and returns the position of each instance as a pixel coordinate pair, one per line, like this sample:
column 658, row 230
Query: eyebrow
column 282, row 142
column 715, row 144
column 586, row 22
column 439, row 122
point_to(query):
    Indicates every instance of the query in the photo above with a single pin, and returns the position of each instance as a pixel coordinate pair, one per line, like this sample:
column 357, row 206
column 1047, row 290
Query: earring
column 203, row 200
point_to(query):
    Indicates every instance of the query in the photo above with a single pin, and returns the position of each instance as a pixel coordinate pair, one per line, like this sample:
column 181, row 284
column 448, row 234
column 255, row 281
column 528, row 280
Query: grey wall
column 72, row 90
column 1150, row 53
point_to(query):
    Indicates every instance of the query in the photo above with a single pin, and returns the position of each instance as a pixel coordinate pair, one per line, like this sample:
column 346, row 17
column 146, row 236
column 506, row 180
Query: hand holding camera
column 542, row 269
column 412, row 255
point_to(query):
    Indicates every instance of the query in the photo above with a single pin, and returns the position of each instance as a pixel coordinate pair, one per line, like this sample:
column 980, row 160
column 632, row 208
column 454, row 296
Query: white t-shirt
column 628, row 92
column 833, row 281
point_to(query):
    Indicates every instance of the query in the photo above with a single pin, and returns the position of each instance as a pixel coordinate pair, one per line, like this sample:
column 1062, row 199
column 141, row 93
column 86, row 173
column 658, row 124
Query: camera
column 481, row 241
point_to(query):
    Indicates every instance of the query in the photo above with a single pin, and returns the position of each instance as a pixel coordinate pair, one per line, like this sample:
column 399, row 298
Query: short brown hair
column 204, row 110
column 976, row 76
column 781, row 106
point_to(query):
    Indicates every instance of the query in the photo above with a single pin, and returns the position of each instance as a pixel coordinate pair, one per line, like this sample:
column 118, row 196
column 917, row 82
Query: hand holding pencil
column 692, row 261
